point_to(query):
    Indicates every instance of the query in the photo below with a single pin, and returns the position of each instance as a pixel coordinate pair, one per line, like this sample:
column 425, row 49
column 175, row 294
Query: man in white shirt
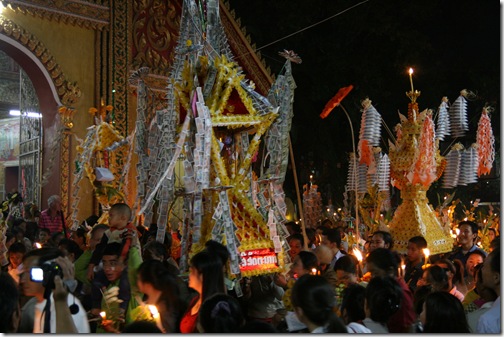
column 331, row 238
column 36, row 258
column 490, row 322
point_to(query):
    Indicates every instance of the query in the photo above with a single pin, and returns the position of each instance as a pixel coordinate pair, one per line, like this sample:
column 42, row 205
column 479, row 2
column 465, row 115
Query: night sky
column 452, row 45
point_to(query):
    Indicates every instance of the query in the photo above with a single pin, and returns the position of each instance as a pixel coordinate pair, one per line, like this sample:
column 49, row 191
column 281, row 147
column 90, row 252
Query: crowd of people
column 117, row 277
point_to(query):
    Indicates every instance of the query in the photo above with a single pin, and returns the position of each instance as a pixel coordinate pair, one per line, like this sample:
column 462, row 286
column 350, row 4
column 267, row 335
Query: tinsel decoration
column 369, row 134
column 383, row 173
column 486, row 143
column 458, row 116
column 443, row 121
column 453, row 167
column 312, row 205
column 357, row 181
column 469, row 171
column 425, row 167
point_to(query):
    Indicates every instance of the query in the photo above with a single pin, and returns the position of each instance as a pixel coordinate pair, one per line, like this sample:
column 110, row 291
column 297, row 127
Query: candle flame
column 38, row 245
column 403, row 266
column 410, row 71
column 457, row 231
column 426, row 252
column 314, row 271
column 103, row 314
column 154, row 311
column 357, row 254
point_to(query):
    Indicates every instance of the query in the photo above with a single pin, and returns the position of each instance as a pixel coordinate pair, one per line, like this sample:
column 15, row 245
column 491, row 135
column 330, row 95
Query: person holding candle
column 162, row 290
column 118, row 273
column 206, row 278
column 413, row 271
column 383, row 262
column 324, row 256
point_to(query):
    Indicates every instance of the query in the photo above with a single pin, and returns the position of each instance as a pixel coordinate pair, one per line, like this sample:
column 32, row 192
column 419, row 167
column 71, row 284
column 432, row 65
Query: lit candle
column 155, row 315
column 38, row 245
column 411, row 78
column 103, row 315
column 426, row 252
column 403, row 269
column 357, row 254
column 314, row 271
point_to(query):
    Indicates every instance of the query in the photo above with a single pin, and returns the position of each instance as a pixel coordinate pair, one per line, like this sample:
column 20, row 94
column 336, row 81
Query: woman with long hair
column 304, row 263
column 161, row 288
column 383, row 299
column 206, row 278
column 443, row 313
column 314, row 302
column 220, row 313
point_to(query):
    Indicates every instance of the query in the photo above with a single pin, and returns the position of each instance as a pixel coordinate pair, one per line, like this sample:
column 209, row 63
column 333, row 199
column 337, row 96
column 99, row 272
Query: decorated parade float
column 194, row 159
column 413, row 163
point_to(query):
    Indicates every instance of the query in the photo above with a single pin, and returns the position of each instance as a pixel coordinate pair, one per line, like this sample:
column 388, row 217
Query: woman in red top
column 206, row 277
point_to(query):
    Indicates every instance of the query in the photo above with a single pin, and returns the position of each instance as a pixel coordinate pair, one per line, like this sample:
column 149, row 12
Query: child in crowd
column 118, row 273
column 16, row 253
column 414, row 261
column 121, row 230
column 43, row 236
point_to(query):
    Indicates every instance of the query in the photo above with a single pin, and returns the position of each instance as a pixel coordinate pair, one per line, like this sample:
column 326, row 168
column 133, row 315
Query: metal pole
column 356, row 176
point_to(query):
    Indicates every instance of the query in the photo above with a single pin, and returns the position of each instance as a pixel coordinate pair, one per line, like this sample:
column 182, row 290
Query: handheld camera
column 45, row 273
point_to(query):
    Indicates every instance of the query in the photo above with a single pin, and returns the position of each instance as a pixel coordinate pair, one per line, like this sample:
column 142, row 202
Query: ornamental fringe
column 425, row 167
column 458, row 116
column 486, row 144
column 443, row 122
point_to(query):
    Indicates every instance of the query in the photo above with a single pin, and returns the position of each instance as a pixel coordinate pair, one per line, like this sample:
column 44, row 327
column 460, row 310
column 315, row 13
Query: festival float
column 413, row 163
column 211, row 130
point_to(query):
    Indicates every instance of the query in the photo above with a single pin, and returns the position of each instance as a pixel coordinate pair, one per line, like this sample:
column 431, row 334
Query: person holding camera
column 43, row 270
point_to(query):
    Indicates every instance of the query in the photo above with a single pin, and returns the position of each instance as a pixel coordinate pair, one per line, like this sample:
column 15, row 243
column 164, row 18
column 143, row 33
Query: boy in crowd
column 381, row 239
column 43, row 236
column 118, row 273
column 414, row 261
column 121, row 230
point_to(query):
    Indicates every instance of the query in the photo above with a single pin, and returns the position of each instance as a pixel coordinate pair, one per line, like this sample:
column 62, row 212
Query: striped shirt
column 54, row 225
